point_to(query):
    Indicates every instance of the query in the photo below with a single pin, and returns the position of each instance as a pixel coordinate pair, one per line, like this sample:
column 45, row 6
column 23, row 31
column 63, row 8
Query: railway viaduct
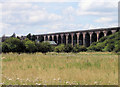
column 82, row 37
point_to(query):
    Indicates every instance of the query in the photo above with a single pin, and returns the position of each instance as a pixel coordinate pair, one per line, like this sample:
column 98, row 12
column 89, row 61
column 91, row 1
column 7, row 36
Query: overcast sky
column 48, row 17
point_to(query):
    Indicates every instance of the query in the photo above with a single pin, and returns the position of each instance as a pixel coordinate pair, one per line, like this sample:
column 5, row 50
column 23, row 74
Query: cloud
column 31, row 14
column 104, row 20
column 93, row 7
column 37, row 18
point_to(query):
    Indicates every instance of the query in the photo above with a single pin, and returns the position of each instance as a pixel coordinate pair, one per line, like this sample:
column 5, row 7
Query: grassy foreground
column 60, row 69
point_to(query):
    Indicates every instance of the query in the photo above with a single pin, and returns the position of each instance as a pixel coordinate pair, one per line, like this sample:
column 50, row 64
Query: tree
column 30, row 46
column 13, row 45
column 29, row 36
column 14, row 35
column 45, row 47
column 33, row 38
column 60, row 48
column 68, row 48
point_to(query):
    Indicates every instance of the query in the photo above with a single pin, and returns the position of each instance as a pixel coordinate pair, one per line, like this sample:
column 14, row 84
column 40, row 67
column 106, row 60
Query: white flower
column 39, row 84
column 67, row 82
column 95, row 82
column 17, row 78
column 58, row 79
column 1, row 83
column 10, row 79
column 36, row 83
column 54, row 79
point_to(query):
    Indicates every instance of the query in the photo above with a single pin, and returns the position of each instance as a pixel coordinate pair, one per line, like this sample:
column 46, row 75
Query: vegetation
column 109, row 43
column 82, row 68
column 16, row 45
column 29, row 45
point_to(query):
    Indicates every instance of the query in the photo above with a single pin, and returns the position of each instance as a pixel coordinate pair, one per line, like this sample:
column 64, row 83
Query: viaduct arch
column 84, row 37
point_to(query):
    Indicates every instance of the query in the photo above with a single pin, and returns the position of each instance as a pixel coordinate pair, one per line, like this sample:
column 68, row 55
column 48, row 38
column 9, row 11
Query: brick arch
column 50, row 38
column 59, row 39
column 101, row 34
column 69, row 39
column 109, row 33
column 81, row 39
column 94, row 37
column 64, row 39
column 55, row 38
column 87, row 39
column 74, row 38
column 41, row 38
column 46, row 37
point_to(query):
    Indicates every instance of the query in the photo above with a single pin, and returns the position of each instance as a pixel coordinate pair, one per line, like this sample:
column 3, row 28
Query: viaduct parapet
column 82, row 37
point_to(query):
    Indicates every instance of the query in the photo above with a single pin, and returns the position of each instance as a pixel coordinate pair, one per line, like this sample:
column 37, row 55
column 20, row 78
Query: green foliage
column 68, row 48
column 60, row 48
column 12, row 45
column 30, row 46
column 78, row 48
column 109, row 47
column 33, row 38
column 109, row 43
column 29, row 36
column 45, row 47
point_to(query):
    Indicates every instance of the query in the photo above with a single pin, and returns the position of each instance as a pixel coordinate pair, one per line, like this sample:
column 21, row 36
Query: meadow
column 84, row 68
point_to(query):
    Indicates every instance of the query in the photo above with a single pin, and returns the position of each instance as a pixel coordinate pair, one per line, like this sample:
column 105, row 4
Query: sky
column 38, row 17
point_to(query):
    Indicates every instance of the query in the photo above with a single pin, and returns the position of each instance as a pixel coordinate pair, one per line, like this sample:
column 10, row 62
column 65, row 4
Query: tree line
column 29, row 45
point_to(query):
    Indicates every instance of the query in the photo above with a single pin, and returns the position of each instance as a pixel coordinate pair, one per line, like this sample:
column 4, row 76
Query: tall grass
column 63, row 68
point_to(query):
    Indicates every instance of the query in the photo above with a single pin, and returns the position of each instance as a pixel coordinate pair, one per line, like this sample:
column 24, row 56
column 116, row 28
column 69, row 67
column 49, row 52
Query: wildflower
column 109, row 82
column 39, row 84
column 36, row 83
column 10, row 79
column 17, row 78
column 67, row 82
column 1, row 83
column 95, row 82
column 58, row 79
column 54, row 79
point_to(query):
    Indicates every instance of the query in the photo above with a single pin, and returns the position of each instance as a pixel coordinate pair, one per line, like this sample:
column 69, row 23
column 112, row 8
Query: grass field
column 94, row 68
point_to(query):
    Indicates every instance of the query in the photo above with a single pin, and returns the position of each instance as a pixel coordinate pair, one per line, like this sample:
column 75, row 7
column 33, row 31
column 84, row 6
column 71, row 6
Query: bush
column 68, row 48
column 30, row 46
column 109, row 47
column 13, row 45
column 60, row 48
column 117, row 46
column 78, row 48
column 45, row 47
column 103, row 39
column 82, row 48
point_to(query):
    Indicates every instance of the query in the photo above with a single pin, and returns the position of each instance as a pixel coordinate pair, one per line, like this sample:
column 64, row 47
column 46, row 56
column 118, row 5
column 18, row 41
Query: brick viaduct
column 83, row 37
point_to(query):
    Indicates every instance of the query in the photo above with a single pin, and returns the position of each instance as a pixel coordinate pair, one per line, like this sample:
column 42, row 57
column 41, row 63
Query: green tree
column 30, row 46
column 68, row 48
column 33, row 38
column 60, row 48
column 13, row 45
column 29, row 36
column 45, row 47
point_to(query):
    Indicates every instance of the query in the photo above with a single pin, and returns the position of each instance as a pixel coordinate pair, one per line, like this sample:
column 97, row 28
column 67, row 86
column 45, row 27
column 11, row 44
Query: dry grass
column 60, row 69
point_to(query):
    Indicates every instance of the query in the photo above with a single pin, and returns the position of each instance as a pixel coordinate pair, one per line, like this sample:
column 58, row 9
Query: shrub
column 82, row 48
column 60, row 48
column 30, row 46
column 45, row 47
column 68, row 48
column 117, row 46
column 13, row 45
column 109, row 47
column 103, row 39
column 76, row 48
